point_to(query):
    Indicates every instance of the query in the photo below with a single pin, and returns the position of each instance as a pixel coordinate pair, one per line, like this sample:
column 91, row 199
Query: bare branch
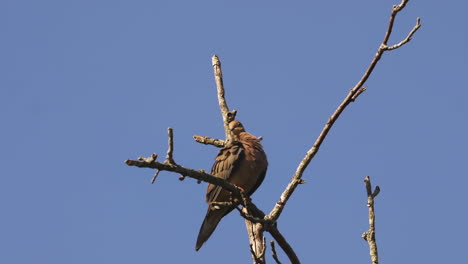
column 255, row 230
column 257, row 241
column 227, row 115
column 210, row 141
column 258, row 258
column 408, row 38
column 256, row 220
column 155, row 176
column 359, row 92
column 252, row 218
column 186, row 172
column 352, row 95
column 273, row 252
column 170, row 146
column 154, row 156
column 255, row 214
column 275, row 233
column 395, row 10
column 369, row 236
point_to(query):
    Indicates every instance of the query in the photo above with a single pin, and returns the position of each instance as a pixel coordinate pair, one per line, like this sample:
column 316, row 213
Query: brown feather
column 242, row 163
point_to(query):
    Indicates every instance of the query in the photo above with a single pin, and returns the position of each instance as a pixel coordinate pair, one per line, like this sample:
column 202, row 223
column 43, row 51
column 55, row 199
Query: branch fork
column 256, row 219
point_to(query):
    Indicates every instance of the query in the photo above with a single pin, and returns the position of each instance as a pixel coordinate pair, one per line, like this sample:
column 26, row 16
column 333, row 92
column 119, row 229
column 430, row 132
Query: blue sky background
column 86, row 85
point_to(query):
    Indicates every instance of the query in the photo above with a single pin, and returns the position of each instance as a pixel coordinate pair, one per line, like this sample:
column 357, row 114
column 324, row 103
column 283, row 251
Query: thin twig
column 395, row 10
column 353, row 93
column 170, row 146
column 153, row 158
column 359, row 92
column 273, row 252
column 210, row 141
column 155, row 176
column 369, row 236
column 408, row 38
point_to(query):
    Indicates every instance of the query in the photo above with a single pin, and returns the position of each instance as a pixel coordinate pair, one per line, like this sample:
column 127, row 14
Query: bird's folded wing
column 226, row 163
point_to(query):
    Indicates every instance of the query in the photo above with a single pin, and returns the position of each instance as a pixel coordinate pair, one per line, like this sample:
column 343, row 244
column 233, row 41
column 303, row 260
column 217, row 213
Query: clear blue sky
column 86, row 85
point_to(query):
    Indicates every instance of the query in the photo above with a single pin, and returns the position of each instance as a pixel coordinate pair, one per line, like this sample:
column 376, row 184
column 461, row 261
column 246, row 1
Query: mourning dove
column 242, row 163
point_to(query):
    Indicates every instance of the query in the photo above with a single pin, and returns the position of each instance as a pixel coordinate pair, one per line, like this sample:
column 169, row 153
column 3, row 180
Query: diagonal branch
column 352, row 95
column 408, row 38
column 276, row 234
column 395, row 10
column 369, row 236
column 258, row 216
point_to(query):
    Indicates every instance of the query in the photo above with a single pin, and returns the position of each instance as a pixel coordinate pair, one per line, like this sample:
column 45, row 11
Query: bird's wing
column 226, row 163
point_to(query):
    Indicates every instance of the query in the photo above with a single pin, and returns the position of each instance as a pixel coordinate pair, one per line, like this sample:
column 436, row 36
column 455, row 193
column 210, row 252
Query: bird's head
column 236, row 128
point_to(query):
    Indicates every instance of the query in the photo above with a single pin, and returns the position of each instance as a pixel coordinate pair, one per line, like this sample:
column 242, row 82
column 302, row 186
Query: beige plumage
column 243, row 163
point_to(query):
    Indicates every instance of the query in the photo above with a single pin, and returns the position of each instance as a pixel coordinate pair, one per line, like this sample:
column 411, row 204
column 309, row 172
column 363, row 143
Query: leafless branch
column 258, row 216
column 169, row 156
column 170, row 146
column 273, row 252
column 258, row 258
column 408, row 38
column 359, row 92
column 255, row 230
column 369, row 236
column 250, row 217
column 395, row 10
column 275, row 233
column 227, row 115
column 195, row 174
column 210, row 141
column 257, row 222
column 155, row 176
column 353, row 93
column 153, row 158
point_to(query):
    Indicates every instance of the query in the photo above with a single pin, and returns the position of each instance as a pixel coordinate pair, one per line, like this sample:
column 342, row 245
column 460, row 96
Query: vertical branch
column 369, row 236
column 227, row 116
column 170, row 146
column 257, row 241
column 254, row 230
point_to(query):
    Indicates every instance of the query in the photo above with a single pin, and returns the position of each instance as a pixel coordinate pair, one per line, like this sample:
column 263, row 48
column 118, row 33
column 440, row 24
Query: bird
column 241, row 162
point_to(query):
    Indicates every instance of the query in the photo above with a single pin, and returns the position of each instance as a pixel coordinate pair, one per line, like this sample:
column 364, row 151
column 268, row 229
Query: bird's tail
column 212, row 218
